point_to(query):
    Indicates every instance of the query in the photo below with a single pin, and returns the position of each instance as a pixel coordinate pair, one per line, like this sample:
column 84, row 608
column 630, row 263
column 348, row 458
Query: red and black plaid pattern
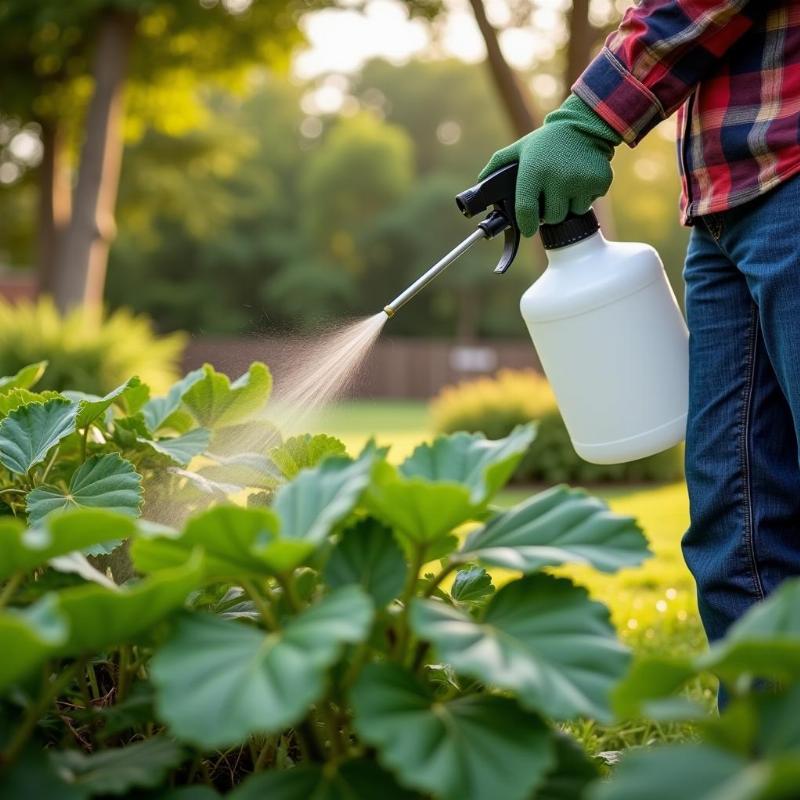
column 731, row 68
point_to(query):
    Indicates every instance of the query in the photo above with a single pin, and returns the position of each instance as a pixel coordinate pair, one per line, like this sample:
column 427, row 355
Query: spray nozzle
column 495, row 191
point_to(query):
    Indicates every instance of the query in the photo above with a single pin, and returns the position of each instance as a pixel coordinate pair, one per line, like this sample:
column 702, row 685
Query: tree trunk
column 581, row 42
column 54, row 202
column 512, row 93
column 81, row 266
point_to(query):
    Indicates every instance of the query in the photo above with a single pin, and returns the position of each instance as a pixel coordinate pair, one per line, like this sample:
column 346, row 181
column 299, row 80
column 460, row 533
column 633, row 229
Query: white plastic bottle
column 612, row 342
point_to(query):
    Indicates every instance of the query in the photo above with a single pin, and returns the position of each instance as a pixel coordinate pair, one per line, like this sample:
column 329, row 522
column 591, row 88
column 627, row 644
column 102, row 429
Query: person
column 731, row 68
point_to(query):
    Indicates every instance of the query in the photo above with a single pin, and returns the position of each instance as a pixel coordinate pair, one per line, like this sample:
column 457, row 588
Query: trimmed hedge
column 495, row 405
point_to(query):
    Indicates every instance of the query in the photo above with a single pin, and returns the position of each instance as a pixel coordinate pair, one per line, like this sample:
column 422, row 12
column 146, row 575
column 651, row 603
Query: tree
column 58, row 49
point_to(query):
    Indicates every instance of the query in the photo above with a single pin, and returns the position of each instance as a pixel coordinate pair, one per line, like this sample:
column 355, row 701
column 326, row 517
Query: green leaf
column 244, row 470
column 28, row 433
column 472, row 586
column 368, row 555
column 15, row 398
column 540, row 637
column 109, row 482
column 158, row 410
column 23, row 549
column 99, row 617
column 180, row 449
column 216, row 402
column 116, row 770
column 470, row 459
column 572, row 774
column 28, row 638
column 420, row 513
column 470, row 748
column 302, row 452
column 92, row 408
column 764, row 642
column 699, row 772
column 237, row 542
column 648, row 688
column 35, row 776
column 558, row 526
column 318, row 499
column 24, row 379
column 353, row 780
column 220, row 681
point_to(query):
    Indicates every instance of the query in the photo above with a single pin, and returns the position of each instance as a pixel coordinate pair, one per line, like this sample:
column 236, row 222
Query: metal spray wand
column 497, row 191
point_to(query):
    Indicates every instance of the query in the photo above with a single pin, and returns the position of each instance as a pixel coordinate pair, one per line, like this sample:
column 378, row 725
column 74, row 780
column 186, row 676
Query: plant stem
column 408, row 592
column 264, row 755
column 92, row 677
column 12, row 584
column 263, row 606
column 123, row 667
column 292, row 600
column 309, row 744
column 50, row 464
column 439, row 578
column 84, row 443
column 32, row 715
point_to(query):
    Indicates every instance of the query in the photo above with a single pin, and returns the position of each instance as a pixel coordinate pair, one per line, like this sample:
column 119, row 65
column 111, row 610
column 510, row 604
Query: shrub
column 495, row 405
column 82, row 353
column 306, row 634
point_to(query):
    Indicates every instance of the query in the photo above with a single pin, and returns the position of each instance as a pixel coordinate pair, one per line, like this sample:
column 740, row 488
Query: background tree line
column 245, row 205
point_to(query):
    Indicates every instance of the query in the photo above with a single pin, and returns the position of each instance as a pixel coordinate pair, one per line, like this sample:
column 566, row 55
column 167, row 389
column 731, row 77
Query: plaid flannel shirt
column 732, row 67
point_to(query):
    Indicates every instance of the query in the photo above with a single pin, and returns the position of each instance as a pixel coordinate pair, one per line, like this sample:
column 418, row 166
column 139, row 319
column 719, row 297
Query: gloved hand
column 563, row 165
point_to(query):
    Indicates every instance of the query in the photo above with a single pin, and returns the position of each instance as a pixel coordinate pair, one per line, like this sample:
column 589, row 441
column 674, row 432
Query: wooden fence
column 395, row 368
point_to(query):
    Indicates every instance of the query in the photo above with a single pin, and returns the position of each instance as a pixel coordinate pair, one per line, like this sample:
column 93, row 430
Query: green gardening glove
column 564, row 165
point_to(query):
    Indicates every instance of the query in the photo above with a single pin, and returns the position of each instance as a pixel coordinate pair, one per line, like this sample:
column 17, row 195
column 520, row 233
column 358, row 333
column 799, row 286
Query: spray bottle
column 604, row 321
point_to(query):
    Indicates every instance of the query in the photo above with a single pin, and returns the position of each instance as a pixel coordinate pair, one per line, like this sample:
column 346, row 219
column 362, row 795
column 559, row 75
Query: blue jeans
column 742, row 278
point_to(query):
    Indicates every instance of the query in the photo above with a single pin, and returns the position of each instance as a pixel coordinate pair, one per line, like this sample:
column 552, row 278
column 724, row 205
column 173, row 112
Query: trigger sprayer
column 605, row 323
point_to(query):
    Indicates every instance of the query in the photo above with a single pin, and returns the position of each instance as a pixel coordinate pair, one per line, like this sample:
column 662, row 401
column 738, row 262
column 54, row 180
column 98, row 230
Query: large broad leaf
column 108, row 481
column 15, row 398
column 158, row 410
column 237, row 542
column 117, row 770
column 180, row 449
column 353, row 780
column 540, row 637
column 216, row 402
column 244, row 470
column 29, row 433
column 34, row 775
column 23, row 549
column 558, row 526
column 648, row 690
column 91, row 407
column 699, row 772
column 29, row 638
column 471, row 748
column 24, row 379
column 220, row 681
column 302, row 452
column 471, row 460
column 368, row 555
column 420, row 513
column 318, row 499
column 573, row 773
column 765, row 642
column 99, row 617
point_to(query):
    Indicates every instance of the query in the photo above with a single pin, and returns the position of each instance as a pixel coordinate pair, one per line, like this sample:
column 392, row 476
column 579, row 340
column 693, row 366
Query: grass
column 653, row 606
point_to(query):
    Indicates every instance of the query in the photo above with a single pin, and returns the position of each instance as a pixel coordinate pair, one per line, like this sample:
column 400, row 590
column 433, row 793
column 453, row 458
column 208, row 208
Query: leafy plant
column 497, row 404
column 751, row 751
column 345, row 640
column 126, row 449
